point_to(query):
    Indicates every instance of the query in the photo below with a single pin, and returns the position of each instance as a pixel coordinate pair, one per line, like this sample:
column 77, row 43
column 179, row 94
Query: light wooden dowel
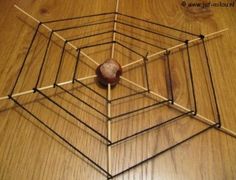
column 58, row 35
column 46, row 87
column 109, row 95
column 109, row 127
column 175, row 47
column 131, row 82
column 114, row 28
column 88, row 57
column 27, row 14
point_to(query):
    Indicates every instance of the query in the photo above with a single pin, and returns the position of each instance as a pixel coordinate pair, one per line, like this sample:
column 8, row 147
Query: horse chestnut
column 109, row 72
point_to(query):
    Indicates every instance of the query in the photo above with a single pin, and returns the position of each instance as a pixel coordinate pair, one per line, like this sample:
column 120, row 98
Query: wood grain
column 29, row 151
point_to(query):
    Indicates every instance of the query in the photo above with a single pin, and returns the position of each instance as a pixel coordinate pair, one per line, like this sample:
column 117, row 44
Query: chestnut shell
column 109, row 72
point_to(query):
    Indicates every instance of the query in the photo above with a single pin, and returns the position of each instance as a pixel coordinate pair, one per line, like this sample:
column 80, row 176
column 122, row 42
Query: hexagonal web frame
column 170, row 101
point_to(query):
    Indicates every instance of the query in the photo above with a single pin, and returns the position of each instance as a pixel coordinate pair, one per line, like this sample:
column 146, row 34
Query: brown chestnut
column 109, row 72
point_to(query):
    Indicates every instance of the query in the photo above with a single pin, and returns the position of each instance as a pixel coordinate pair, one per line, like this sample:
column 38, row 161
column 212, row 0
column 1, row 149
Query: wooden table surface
column 29, row 151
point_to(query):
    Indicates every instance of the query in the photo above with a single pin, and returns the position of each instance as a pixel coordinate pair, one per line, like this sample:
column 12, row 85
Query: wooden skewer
column 143, row 88
column 17, row 7
column 109, row 127
column 92, row 60
column 209, row 35
column 109, row 98
column 175, row 47
column 131, row 82
column 56, row 34
column 158, row 95
column 227, row 131
column 109, row 95
column 184, row 109
column 114, row 28
column 46, row 87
